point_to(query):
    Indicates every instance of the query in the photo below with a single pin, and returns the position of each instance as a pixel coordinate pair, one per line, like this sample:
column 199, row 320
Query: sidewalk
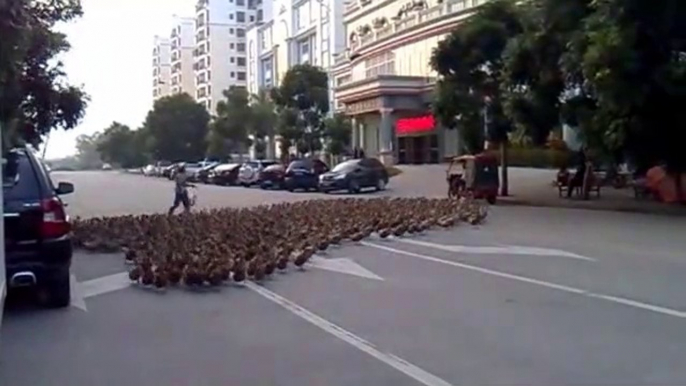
column 532, row 187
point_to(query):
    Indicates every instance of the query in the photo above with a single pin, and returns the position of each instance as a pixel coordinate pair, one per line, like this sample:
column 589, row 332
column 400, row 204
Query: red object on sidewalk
column 421, row 124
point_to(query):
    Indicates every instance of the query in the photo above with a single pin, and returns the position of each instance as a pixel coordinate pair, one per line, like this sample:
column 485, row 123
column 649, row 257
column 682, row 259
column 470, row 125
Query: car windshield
column 346, row 166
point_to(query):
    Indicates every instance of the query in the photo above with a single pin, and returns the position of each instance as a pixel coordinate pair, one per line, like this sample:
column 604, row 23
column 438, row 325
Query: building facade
column 384, row 81
column 220, row 47
column 294, row 32
column 161, row 67
column 182, row 49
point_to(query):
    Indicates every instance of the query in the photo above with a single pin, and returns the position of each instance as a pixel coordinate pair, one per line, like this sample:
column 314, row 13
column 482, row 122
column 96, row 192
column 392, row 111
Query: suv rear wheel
column 58, row 288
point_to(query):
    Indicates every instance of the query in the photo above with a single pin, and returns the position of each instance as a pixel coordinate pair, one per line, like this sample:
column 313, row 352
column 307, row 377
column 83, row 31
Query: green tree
column 263, row 122
column 231, row 126
column 34, row 97
column 470, row 66
column 533, row 80
column 303, row 92
column 87, row 155
column 120, row 145
column 178, row 128
column 632, row 62
column 337, row 132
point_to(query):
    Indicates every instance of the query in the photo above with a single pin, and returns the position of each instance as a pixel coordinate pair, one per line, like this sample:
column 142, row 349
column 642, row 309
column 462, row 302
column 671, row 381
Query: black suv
column 38, row 248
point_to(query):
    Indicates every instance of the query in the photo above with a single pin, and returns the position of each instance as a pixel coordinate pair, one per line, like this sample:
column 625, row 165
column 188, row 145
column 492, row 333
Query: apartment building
column 220, row 47
column 182, row 49
column 294, row 32
column 384, row 81
column 161, row 67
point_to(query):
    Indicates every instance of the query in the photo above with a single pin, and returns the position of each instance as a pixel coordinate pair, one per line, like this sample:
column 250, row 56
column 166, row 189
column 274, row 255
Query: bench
column 562, row 183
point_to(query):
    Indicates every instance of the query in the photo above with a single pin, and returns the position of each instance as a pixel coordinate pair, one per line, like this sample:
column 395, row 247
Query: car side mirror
column 64, row 188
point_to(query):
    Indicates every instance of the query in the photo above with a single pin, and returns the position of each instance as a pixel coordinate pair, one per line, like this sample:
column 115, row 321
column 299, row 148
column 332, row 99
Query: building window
column 382, row 64
column 240, row 47
column 240, row 32
column 241, row 76
column 240, row 62
column 231, row 46
column 343, row 80
column 263, row 40
column 252, row 18
column 240, row 17
column 302, row 16
column 231, row 16
column 266, row 71
column 260, row 15
column 231, row 31
column 233, row 74
column 304, row 51
column 240, row 3
column 232, row 60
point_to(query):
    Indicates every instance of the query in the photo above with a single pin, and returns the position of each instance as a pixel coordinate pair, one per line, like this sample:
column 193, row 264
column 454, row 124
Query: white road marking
column 105, row 284
column 524, row 279
column 397, row 363
column 500, row 250
column 77, row 299
column 343, row 265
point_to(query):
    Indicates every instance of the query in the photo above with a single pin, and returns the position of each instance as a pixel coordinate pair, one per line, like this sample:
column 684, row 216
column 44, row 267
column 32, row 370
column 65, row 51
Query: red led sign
column 415, row 125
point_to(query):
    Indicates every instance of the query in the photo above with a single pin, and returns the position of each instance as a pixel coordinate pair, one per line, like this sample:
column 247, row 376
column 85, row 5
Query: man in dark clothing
column 577, row 179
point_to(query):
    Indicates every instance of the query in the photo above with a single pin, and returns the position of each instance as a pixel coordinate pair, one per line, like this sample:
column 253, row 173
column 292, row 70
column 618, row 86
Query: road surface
column 534, row 296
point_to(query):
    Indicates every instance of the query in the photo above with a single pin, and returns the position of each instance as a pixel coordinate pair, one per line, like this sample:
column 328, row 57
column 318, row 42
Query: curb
column 672, row 211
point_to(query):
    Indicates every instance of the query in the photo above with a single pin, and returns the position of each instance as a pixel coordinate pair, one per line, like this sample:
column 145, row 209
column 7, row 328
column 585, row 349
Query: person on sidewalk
column 577, row 180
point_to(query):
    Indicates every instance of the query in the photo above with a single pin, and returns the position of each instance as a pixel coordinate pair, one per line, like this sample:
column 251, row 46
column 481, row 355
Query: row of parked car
column 307, row 174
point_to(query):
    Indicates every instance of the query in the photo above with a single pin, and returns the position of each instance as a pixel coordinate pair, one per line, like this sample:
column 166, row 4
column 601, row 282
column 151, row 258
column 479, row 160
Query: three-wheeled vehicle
column 474, row 175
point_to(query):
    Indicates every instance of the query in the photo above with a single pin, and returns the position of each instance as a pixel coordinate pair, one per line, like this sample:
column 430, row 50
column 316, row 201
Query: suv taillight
column 55, row 222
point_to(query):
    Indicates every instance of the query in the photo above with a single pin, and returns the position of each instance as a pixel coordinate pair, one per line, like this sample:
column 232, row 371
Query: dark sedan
column 272, row 177
column 224, row 174
column 304, row 174
column 355, row 175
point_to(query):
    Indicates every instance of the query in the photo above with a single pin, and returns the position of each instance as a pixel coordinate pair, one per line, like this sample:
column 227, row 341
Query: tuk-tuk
column 475, row 175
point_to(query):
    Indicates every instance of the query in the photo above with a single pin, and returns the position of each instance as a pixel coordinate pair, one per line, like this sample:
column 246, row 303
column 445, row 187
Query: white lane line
column 524, row 279
column 397, row 363
column 105, row 284
column 77, row 299
column 499, row 250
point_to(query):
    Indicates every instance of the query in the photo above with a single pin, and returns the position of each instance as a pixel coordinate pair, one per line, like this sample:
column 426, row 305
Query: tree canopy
column 120, row 145
column 338, row 133
column 231, row 126
column 302, row 100
column 178, row 128
column 262, row 121
column 34, row 97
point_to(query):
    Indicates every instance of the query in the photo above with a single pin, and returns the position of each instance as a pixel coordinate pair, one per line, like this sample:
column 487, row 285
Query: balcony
column 412, row 18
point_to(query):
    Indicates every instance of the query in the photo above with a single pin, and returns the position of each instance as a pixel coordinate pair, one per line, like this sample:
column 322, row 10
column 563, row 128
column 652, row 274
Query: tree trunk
column 504, row 183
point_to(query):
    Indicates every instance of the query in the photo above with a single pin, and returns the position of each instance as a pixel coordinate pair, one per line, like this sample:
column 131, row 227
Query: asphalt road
column 534, row 296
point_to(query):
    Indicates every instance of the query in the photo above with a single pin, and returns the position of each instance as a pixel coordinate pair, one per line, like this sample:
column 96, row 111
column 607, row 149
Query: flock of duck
column 213, row 247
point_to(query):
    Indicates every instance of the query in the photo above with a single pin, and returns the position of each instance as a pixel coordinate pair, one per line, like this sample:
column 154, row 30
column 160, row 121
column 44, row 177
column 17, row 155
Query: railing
column 424, row 16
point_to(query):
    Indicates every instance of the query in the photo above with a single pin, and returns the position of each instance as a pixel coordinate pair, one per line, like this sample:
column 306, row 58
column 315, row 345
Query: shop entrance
column 420, row 149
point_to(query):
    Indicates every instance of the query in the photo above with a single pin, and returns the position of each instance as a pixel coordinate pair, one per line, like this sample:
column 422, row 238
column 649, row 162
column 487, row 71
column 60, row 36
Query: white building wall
column 183, row 45
column 221, row 25
column 161, row 67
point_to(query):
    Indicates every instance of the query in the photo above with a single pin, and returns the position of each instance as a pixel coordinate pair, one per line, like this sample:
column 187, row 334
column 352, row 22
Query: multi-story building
column 384, row 81
column 294, row 32
column 161, row 67
column 182, row 49
column 220, row 47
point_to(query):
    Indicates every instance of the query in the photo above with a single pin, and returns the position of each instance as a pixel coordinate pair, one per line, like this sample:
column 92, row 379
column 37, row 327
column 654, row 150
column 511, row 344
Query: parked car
column 224, row 174
column 191, row 168
column 203, row 174
column 106, row 167
column 38, row 247
column 149, row 170
column 167, row 171
column 249, row 174
column 160, row 166
column 304, row 174
column 272, row 177
column 355, row 175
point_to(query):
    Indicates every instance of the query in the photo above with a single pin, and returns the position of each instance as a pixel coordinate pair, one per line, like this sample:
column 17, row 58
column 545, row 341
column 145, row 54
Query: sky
column 111, row 56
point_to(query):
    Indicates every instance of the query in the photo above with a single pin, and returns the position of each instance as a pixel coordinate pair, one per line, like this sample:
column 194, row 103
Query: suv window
column 19, row 179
